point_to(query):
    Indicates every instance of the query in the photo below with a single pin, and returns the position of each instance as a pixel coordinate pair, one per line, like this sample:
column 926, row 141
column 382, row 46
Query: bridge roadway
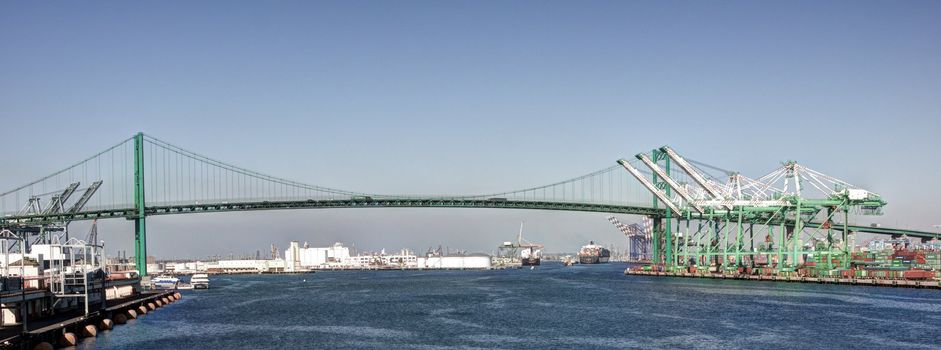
column 171, row 209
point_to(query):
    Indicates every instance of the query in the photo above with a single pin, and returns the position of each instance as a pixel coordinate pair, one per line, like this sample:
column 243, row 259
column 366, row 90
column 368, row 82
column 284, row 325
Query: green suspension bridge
column 144, row 176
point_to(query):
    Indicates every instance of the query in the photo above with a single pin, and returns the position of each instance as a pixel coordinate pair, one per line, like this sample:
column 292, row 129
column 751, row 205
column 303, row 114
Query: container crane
column 681, row 190
column 650, row 187
column 638, row 237
column 693, row 173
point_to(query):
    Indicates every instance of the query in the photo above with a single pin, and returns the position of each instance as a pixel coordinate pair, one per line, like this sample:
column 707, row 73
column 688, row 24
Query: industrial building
column 245, row 266
column 455, row 262
column 306, row 257
column 300, row 258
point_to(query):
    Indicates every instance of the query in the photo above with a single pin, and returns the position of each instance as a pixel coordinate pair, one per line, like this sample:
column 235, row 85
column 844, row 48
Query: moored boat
column 165, row 282
column 200, row 281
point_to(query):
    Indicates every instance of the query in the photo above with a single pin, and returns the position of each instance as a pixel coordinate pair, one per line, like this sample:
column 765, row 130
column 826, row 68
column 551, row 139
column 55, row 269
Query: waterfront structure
column 306, row 257
column 144, row 176
column 726, row 224
column 456, row 262
column 246, row 266
column 337, row 256
column 186, row 268
column 793, row 221
column 403, row 259
column 56, row 275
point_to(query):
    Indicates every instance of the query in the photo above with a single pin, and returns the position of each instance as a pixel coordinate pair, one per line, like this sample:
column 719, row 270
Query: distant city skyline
column 471, row 97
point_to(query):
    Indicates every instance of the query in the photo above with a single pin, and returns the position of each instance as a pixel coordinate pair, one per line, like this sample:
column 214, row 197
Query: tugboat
column 593, row 254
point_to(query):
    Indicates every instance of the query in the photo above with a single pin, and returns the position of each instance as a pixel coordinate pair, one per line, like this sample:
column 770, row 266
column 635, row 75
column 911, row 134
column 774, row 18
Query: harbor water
column 583, row 306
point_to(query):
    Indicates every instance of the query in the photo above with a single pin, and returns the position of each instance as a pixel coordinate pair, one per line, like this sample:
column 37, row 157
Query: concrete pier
column 66, row 330
column 827, row 280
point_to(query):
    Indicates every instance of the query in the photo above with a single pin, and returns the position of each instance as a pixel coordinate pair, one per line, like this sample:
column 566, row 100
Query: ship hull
column 593, row 259
column 531, row 261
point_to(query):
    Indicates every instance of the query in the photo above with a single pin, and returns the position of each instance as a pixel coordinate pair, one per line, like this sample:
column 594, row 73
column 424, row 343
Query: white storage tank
column 456, row 262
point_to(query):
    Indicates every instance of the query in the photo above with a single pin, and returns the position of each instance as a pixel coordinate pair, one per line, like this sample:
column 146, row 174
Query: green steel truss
column 756, row 223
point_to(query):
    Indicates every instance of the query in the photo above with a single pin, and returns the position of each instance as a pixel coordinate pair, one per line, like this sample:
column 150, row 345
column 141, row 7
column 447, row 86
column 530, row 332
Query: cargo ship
column 530, row 254
column 593, row 254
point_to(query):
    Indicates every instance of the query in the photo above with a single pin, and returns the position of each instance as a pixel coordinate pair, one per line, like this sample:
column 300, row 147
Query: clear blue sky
column 472, row 96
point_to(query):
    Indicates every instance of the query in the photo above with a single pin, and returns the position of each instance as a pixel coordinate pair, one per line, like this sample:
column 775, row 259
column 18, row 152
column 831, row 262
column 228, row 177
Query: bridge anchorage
column 144, row 176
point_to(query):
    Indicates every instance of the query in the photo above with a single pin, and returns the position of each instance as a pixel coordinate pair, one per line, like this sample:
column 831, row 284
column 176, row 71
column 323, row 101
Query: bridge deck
column 170, row 209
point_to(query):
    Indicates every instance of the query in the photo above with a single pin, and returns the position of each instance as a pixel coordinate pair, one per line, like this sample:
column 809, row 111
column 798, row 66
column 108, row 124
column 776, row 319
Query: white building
column 301, row 258
column 40, row 253
column 245, row 266
column 155, row 268
column 404, row 258
column 306, row 257
column 458, row 262
column 187, row 267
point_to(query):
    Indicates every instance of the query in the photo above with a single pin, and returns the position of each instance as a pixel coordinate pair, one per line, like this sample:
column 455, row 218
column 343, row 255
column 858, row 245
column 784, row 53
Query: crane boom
column 92, row 236
column 744, row 202
column 631, row 230
column 521, row 242
column 688, row 168
column 58, row 202
column 650, row 187
column 621, row 227
column 85, row 197
column 672, row 183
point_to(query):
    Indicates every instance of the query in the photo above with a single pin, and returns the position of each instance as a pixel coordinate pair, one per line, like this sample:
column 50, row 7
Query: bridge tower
column 140, row 218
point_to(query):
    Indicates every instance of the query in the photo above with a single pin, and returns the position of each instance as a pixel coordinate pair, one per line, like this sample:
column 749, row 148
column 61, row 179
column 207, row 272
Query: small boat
column 200, row 281
column 165, row 282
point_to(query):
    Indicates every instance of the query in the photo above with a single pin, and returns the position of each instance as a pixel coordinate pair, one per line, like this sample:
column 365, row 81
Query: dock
column 66, row 329
column 799, row 279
